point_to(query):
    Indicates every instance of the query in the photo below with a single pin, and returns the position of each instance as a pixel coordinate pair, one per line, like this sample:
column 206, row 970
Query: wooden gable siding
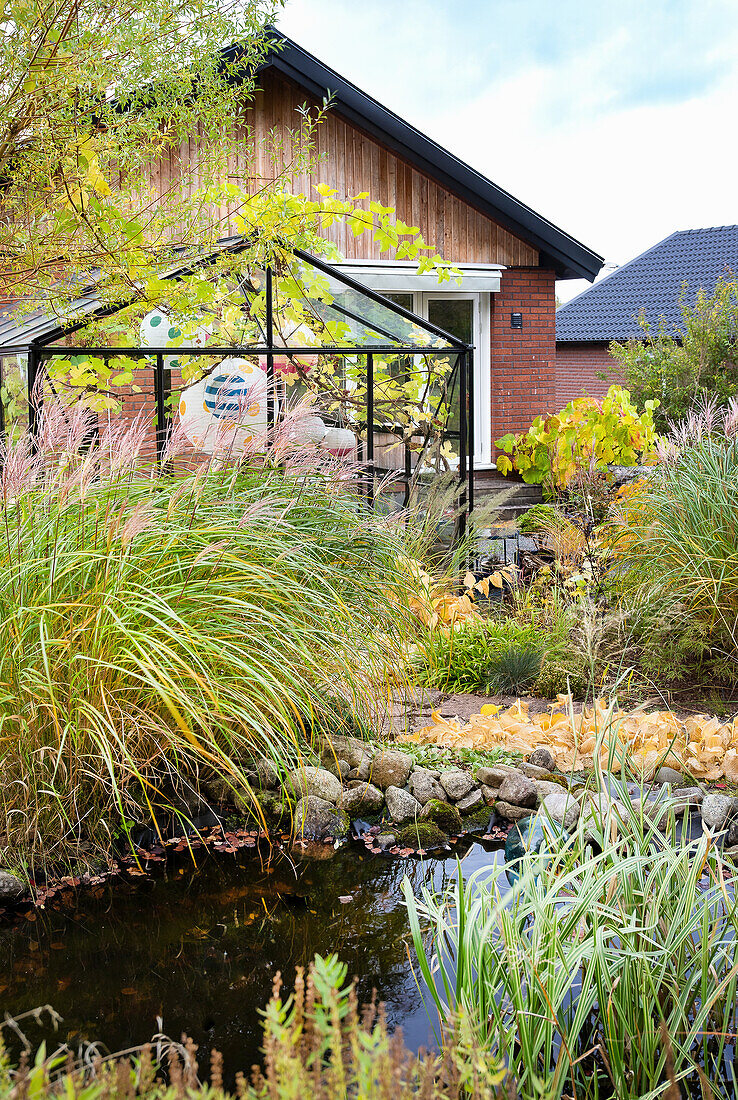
column 352, row 161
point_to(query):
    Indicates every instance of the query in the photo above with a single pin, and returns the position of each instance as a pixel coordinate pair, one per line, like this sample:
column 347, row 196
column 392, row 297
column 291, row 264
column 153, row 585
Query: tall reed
column 155, row 626
column 606, row 971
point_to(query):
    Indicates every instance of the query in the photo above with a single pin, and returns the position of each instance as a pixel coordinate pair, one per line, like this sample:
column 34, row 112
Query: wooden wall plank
column 355, row 162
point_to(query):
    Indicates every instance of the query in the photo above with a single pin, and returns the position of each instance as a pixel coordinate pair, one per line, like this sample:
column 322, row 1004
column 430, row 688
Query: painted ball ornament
column 341, row 442
column 227, row 410
column 307, row 430
column 157, row 331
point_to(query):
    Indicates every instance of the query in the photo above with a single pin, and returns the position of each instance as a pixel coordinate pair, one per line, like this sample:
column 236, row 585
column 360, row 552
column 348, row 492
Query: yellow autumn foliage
column 701, row 745
column 435, row 602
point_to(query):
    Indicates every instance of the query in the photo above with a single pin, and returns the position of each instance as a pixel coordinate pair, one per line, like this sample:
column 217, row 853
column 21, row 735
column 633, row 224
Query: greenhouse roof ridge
column 40, row 329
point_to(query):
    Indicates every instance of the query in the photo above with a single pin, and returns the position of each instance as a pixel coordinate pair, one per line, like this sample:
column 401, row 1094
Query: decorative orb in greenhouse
column 157, row 331
column 339, row 441
column 291, row 364
column 227, row 410
column 310, row 429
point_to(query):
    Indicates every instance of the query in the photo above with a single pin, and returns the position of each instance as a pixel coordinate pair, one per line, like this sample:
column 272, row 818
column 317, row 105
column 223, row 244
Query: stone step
column 517, row 499
column 519, row 488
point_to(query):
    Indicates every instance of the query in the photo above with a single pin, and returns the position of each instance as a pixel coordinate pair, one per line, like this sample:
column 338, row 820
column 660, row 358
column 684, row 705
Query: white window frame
column 482, row 350
column 482, row 365
column 479, row 282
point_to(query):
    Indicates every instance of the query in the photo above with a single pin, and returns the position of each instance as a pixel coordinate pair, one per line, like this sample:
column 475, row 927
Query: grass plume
column 155, row 625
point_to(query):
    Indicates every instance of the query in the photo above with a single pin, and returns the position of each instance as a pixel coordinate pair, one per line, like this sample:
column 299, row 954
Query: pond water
column 197, row 948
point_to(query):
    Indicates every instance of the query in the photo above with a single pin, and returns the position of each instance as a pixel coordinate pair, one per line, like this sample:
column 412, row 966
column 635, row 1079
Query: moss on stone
column 477, row 821
column 421, row 834
column 275, row 807
column 442, row 814
column 554, row 777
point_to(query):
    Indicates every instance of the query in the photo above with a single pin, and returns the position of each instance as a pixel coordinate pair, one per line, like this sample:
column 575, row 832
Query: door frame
column 481, row 339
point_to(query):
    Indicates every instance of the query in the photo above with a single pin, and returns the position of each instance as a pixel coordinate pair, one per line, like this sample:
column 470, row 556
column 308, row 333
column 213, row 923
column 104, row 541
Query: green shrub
column 489, row 657
column 538, row 518
column 317, row 1043
column 586, row 435
column 677, row 368
column 155, row 626
column 556, row 678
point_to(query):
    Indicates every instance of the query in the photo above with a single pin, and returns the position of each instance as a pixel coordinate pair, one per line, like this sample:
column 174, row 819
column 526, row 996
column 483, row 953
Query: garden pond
column 195, row 949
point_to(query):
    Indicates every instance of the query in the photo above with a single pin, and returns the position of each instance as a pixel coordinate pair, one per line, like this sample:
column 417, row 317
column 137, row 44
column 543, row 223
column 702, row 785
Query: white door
column 465, row 316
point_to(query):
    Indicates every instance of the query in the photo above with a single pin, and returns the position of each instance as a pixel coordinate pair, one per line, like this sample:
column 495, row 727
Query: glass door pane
column 456, row 316
column 389, row 453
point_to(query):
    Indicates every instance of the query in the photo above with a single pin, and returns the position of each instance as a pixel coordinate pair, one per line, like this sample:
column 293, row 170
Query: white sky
column 615, row 119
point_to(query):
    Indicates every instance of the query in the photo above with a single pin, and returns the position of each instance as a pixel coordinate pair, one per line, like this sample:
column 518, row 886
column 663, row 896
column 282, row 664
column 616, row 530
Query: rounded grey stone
column 316, row 781
column 561, row 807
column 11, row 888
column 512, row 813
column 267, row 774
column 716, row 809
column 542, row 758
column 692, row 795
column 424, row 786
column 600, row 809
column 402, row 806
column 390, row 769
column 456, row 783
column 363, row 768
column 668, row 775
column 318, row 819
column 533, row 771
column 519, row 790
column 493, row 777
column 349, row 749
column 362, row 798
column 470, row 802
column 544, row 788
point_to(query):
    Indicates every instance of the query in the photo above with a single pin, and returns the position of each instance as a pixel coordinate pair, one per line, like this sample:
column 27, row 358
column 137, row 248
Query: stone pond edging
column 425, row 807
column 379, row 793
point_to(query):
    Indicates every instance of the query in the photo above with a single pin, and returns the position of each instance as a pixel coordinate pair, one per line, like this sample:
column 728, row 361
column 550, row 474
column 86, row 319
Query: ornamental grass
column 681, row 571
column 157, row 628
column 608, row 970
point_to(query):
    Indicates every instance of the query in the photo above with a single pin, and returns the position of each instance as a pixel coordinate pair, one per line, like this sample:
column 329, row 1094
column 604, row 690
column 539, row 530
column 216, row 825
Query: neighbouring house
column 653, row 284
column 510, row 256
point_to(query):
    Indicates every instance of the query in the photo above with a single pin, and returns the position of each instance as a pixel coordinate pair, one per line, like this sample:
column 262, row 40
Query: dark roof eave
column 619, row 339
column 568, row 257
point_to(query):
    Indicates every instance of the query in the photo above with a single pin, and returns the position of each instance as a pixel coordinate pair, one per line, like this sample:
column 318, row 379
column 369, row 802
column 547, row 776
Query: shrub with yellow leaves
column 701, row 745
column 435, row 602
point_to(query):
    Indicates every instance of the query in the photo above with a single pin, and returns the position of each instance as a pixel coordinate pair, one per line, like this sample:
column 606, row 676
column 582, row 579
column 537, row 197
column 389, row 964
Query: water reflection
column 199, row 948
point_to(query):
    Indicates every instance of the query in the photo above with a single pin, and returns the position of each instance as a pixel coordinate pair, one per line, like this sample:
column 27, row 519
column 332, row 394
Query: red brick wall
column 577, row 368
column 523, row 362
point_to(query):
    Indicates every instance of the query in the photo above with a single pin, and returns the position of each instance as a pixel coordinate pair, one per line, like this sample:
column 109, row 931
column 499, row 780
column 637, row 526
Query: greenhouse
column 383, row 389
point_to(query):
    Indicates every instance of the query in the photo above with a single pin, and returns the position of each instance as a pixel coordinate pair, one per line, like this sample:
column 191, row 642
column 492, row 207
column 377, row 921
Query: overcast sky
column 615, row 119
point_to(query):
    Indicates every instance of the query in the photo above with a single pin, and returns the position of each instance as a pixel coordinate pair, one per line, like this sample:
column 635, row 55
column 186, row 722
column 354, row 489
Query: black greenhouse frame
column 37, row 347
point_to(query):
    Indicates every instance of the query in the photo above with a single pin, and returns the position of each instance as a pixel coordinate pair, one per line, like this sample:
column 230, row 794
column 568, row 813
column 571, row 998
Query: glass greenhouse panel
column 13, row 395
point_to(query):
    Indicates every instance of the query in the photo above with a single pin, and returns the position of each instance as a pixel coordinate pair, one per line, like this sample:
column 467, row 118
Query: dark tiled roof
column 652, row 282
